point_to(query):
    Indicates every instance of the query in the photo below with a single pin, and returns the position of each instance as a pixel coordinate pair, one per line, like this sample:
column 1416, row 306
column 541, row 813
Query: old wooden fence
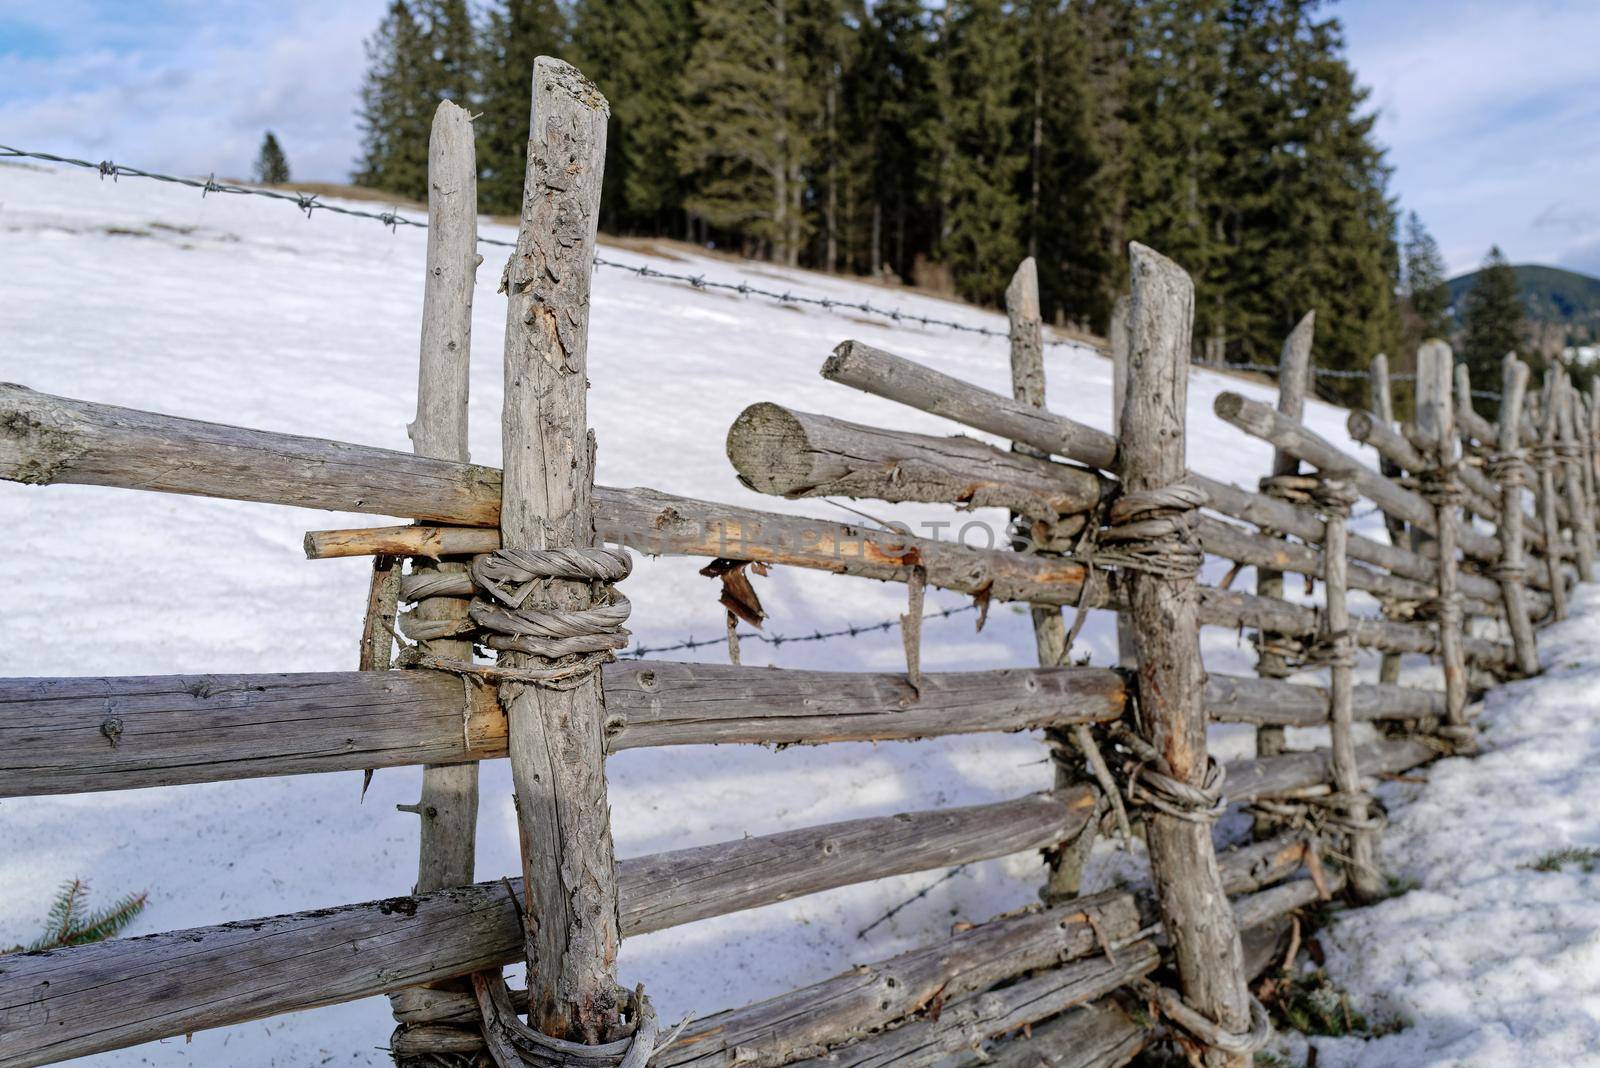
column 524, row 561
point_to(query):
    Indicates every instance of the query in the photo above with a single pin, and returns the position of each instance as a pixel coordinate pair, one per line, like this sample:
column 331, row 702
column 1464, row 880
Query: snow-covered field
column 237, row 310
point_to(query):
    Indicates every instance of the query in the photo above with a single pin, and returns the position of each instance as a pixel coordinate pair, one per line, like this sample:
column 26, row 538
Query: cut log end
column 767, row 446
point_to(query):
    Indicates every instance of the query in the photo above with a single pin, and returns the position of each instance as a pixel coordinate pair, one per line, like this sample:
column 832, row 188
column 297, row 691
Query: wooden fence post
column 555, row 740
column 1293, row 366
column 1335, row 496
column 1066, row 861
column 1509, row 467
column 1545, row 460
column 1381, row 401
column 1436, row 424
column 1571, row 455
column 1194, row 908
column 448, row 807
column 1119, row 395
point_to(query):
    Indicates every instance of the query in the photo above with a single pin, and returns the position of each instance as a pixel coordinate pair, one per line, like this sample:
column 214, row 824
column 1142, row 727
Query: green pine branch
column 72, row 923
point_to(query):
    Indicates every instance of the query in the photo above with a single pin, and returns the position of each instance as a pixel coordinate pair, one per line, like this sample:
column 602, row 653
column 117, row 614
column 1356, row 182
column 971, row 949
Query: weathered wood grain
column 965, row 1022
column 1513, row 564
column 1436, row 421
column 1165, row 613
column 1545, row 466
column 1291, row 773
column 76, row 1001
column 1567, row 421
column 1294, row 364
column 448, row 805
column 1260, row 421
column 796, row 454
column 1381, row 402
column 179, row 729
column 428, row 542
column 555, row 738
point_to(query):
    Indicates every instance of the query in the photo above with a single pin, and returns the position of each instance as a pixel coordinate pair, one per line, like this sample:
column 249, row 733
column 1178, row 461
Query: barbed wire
column 854, row 631
column 309, row 203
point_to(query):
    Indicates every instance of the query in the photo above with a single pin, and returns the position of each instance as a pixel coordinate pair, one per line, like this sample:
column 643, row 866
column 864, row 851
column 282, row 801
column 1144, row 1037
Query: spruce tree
column 890, row 115
column 746, row 118
column 636, row 52
column 397, row 105
column 1427, row 298
column 516, row 33
column 1492, row 318
column 982, row 150
column 272, row 167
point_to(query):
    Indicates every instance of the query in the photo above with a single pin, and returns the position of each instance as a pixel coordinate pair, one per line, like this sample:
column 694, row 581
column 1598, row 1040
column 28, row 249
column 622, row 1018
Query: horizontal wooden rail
column 88, row 999
column 56, row 734
column 796, row 454
column 898, row 379
column 1266, row 423
column 1292, row 773
column 47, row 440
column 73, row 1002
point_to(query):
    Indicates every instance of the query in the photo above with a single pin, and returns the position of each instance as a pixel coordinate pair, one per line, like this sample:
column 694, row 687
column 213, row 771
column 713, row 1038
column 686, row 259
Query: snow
column 233, row 309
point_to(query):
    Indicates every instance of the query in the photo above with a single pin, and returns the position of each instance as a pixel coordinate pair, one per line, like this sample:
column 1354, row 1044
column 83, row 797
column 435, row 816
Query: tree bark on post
column 1545, row 461
column 1436, row 423
column 1382, row 404
column 1571, row 455
column 448, row 807
column 1510, row 467
column 1194, row 907
column 1293, row 365
column 1066, row 861
column 555, row 737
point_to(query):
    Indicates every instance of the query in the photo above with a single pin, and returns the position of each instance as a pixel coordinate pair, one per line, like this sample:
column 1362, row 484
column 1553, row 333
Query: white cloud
column 1492, row 115
column 198, row 89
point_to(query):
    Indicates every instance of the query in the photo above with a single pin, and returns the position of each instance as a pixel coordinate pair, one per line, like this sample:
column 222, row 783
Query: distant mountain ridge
column 1563, row 307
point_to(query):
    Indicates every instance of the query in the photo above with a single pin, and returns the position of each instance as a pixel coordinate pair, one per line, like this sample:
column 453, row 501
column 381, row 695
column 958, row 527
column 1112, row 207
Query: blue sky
column 1490, row 110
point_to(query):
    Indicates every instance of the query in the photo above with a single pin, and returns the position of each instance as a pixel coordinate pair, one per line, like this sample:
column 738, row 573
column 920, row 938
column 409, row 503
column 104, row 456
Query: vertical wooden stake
column 555, row 743
column 1119, row 396
column 1366, row 884
column 1066, row 861
column 1555, row 544
column 1513, row 476
column 1293, row 366
column 449, row 804
column 1381, row 401
column 1436, row 423
column 1194, row 907
column 1572, row 463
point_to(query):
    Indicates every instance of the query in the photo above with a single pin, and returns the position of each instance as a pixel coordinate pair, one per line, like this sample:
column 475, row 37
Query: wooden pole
column 1338, row 494
column 555, row 739
column 448, row 806
column 1545, row 461
column 1069, row 749
column 1194, row 907
column 1119, row 395
column 1436, row 422
column 1571, row 455
column 1511, row 466
column 1294, row 364
column 449, row 803
column 1382, row 404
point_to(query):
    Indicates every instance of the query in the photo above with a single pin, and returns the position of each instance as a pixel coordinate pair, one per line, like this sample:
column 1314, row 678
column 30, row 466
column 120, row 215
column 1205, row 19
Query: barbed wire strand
column 309, row 203
column 853, row 631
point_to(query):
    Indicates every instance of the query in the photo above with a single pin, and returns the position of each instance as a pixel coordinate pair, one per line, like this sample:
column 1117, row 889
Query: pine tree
column 396, row 107
column 982, row 151
column 1492, row 318
column 890, row 113
column 746, row 124
column 272, row 167
column 1427, row 298
column 636, row 52
column 517, row 32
